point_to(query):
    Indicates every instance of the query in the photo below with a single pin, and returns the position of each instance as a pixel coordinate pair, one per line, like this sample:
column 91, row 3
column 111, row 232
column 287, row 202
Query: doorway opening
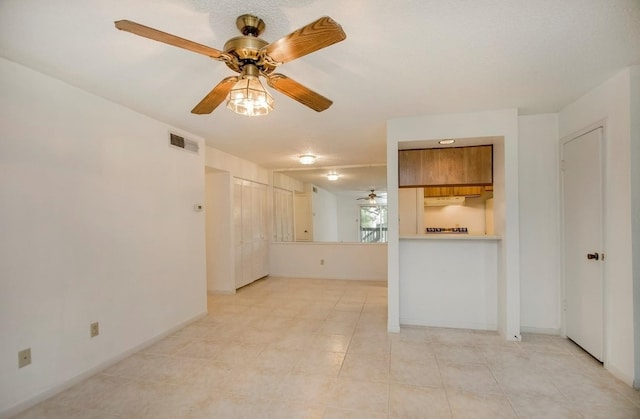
column 583, row 239
column 373, row 224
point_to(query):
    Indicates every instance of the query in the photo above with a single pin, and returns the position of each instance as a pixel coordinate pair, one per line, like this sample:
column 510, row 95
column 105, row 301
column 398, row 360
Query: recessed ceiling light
column 307, row 159
column 449, row 141
column 332, row 176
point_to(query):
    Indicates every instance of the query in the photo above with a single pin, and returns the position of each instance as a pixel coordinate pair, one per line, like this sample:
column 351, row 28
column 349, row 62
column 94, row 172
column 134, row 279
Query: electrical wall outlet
column 24, row 357
column 321, row 261
column 95, row 329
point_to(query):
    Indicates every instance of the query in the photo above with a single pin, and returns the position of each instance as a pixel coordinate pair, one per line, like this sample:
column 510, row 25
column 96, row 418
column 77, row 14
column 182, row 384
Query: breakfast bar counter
column 449, row 237
column 449, row 280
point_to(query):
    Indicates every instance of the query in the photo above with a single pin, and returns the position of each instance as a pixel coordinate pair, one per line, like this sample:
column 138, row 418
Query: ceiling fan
column 253, row 57
column 371, row 197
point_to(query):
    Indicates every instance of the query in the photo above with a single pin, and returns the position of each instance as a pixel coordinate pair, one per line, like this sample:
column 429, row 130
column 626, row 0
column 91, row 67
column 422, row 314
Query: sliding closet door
column 250, row 229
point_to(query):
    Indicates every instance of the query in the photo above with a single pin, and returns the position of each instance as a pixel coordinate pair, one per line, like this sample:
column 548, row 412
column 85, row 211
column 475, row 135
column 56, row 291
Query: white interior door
column 303, row 222
column 250, row 231
column 583, row 241
column 260, row 218
column 282, row 215
column 237, row 232
column 247, row 234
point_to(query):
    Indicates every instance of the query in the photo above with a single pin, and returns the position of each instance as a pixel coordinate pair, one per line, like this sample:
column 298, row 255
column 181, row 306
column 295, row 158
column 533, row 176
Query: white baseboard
column 453, row 325
column 628, row 380
column 216, row 292
column 59, row 388
column 540, row 330
column 335, row 277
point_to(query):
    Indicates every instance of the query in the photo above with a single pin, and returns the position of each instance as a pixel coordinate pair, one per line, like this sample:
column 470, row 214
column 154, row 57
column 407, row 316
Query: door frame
column 563, row 292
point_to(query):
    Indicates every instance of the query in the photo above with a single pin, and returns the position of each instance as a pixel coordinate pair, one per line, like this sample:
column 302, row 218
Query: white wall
column 443, row 292
column 324, row 209
column 611, row 103
column 221, row 168
column 348, row 219
column 538, row 169
column 341, row 260
column 97, row 225
column 282, row 181
column 502, row 123
column 219, row 231
column 240, row 168
column 635, row 210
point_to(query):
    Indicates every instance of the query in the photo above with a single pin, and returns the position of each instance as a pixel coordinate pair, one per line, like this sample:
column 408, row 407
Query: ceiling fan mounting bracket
column 250, row 25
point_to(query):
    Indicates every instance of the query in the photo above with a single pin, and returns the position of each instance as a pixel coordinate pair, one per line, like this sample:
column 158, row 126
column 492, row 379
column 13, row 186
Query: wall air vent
column 176, row 140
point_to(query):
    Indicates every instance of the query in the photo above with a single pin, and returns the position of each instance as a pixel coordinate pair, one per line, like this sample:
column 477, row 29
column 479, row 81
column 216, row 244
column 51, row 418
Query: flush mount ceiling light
column 248, row 96
column 445, row 142
column 307, row 159
column 332, row 176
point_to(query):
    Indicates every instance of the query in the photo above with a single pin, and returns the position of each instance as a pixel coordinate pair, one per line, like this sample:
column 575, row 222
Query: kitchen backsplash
column 470, row 215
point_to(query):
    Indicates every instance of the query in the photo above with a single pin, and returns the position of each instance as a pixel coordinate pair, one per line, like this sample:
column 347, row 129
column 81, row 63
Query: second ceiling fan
column 371, row 197
column 252, row 57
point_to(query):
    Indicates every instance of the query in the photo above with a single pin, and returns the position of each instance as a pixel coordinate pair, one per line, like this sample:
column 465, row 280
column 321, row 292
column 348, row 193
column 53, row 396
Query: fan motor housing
column 247, row 49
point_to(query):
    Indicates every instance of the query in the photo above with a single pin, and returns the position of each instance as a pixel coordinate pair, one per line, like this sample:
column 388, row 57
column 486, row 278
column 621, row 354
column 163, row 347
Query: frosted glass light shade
column 249, row 97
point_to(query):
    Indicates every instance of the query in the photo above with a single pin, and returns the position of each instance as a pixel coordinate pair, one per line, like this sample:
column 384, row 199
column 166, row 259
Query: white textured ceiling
column 400, row 58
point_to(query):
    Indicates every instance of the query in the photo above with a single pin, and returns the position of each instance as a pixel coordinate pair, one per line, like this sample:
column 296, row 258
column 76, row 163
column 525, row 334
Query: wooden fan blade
column 298, row 92
column 316, row 35
column 215, row 97
column 167, row 38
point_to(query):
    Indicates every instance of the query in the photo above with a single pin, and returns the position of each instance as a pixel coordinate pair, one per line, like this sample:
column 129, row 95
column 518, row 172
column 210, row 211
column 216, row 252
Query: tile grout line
column 504, row 393
column 444, row 387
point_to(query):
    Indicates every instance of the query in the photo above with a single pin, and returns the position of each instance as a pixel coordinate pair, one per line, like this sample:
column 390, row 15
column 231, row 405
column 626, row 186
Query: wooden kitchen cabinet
column 478, row 165
column 446, row 166
column 451, row 166
column 410, row 167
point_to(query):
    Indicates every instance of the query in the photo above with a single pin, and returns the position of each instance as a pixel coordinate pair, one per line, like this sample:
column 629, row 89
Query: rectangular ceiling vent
column 176, row 140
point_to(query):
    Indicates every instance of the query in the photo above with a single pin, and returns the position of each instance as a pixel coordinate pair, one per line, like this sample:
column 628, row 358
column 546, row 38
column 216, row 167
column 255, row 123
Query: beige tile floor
column 301, row 348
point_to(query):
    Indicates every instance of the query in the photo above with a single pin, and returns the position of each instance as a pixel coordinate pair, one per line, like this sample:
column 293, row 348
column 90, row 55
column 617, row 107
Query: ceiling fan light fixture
column 254, row 57
column 248, row 96
column 307, row 159
column 371, row 198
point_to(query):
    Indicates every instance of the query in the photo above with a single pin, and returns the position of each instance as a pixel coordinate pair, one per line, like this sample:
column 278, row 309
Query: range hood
column 441, row 201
